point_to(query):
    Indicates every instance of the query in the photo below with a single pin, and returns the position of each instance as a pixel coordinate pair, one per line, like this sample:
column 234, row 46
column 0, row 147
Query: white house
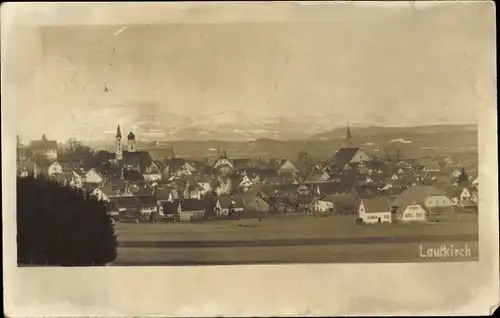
column 152, row 176
column 205, row 187
column 439, row 201
column 475, row 182
column 54, row 168
column 191, row 209
column 245, row 183
column 223, row 162
column 411, row 213
column 474, row 197
column 75, row 180
column 466, row 194
column 225, row 202
column 429, row 196
column 323, row 205
column 192, row 191
column 325, row 176
column 148, row 205
column 375, row 210
column 92, row 176
column 102, row 193
column 224, row 187
column 224, row 165
column 368, row 180
column 456, row 173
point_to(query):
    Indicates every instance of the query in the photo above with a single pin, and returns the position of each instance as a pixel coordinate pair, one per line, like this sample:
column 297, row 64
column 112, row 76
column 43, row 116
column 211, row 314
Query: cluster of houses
column 351, row 182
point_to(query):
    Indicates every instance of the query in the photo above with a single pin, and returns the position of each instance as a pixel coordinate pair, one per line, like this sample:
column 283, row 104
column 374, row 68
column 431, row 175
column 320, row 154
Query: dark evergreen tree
column 463, row 177
column 61, row 226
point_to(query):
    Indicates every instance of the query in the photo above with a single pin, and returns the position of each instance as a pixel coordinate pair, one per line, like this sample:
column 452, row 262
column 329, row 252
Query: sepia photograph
column 329, row 134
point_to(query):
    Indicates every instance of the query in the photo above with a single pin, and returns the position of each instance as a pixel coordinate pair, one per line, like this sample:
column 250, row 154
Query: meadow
column 287, row 239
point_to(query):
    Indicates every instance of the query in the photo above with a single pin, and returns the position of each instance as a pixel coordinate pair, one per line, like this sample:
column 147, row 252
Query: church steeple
column 118, row 131
column 131, row 141
column 118, row 142
column 348, row 137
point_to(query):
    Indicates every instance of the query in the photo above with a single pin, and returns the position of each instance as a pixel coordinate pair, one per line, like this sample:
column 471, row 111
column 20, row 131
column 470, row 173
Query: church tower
column 131, row 142
column 118, row 141
column 348, row 137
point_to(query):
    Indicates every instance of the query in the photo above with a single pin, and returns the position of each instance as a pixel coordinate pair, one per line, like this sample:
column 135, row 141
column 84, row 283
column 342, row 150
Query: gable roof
column 306, row 199
column 147, row 200
column 348, row 200
column 136, row 158
column 107, row 190
column 418, row 193
column 367, row 191
column 379, row 204
column 192, row 205
column 127, row 202
column 145, row 192
column 453, row 191
column 328, row 188
column 89, row 186
column 401, row 209
column 471, row 189
column 174, row 164
column 163, row 193
column 343, row 156
column 292, row 169
column 133, row 175
column 170, row 207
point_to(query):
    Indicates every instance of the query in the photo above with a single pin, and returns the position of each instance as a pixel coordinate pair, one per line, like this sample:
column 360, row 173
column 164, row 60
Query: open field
column 288, row 239
column 358, row 253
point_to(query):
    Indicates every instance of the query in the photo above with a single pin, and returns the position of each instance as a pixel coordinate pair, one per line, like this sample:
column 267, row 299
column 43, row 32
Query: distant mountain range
column 420, row 139
column 149, row 125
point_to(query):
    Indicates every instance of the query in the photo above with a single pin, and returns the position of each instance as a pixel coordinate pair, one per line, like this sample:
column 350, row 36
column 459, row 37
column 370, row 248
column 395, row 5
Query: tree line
column 61, row 226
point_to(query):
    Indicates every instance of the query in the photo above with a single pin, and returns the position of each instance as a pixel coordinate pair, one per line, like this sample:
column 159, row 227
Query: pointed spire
column 348, row 135
column 118, row 130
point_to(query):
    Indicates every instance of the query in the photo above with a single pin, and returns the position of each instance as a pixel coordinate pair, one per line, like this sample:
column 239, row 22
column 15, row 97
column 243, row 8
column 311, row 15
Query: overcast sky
column 395, row 67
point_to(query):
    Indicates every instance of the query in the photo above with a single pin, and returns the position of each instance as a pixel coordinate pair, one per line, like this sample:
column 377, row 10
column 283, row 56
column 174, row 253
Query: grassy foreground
column 290, row 239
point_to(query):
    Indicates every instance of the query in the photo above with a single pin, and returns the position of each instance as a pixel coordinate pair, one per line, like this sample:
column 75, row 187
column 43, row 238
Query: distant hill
column 376, row 140
column 397, row 132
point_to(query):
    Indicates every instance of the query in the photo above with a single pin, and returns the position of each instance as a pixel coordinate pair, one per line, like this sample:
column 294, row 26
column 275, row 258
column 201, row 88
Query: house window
column 419, row 215
column 407, row 215
column 387, row 217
